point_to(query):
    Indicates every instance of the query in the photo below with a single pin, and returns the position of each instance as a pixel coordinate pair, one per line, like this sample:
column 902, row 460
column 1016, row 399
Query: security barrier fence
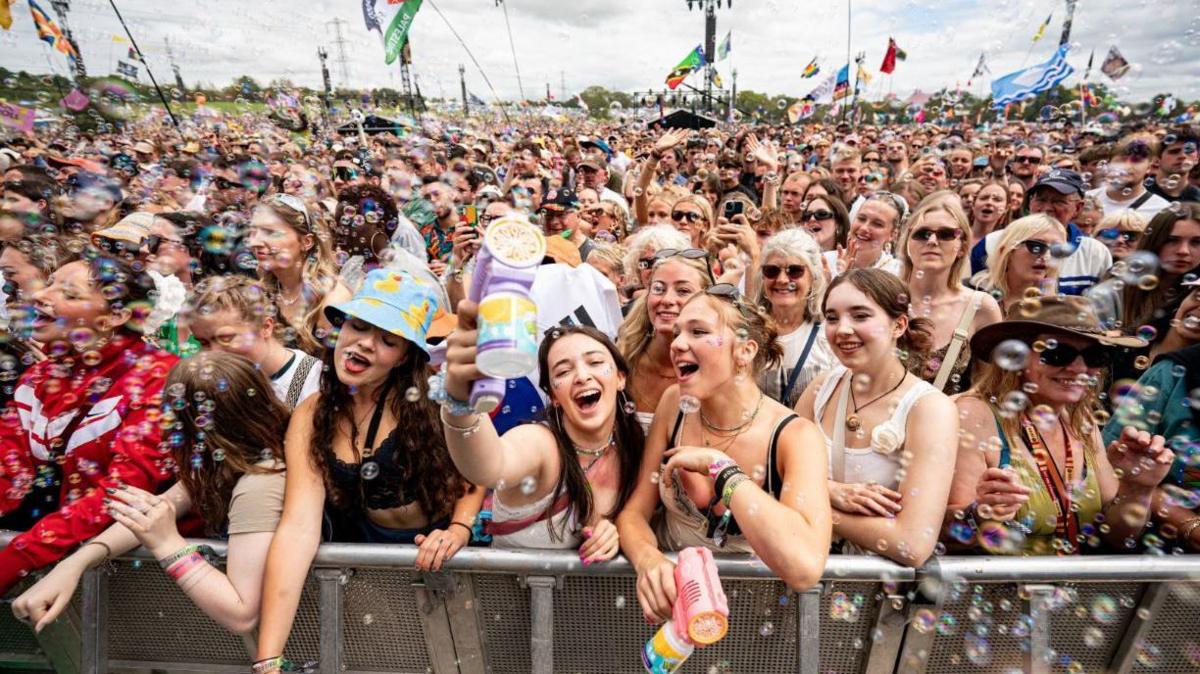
column 366, row 611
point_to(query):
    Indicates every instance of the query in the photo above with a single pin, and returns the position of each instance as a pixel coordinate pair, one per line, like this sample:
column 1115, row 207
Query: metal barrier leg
column 917, row 644
column 541, row 628
column 61, row 641
column 1038, row 659
column 886, row 635
column 435, row 592
column 93, row 648
column 463, row 615
column 1152, row 600
column 808, row 627
column 330, row 582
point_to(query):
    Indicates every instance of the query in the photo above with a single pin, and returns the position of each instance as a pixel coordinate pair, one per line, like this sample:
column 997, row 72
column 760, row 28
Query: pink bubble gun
column 507, row 345
column 701, row 609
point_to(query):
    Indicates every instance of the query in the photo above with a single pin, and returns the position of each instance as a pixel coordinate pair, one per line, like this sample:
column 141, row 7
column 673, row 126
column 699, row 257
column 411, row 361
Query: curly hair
column 427, row 462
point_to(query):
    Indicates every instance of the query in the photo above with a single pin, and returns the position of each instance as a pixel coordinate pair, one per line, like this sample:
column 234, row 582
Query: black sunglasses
column 154, row 242
column 1035, row 247
column 821, row 214
column 1027, row 160
column 679, row 216
column 225, row 184
column 944, row 234
column 1062, row 355
column 772, row 271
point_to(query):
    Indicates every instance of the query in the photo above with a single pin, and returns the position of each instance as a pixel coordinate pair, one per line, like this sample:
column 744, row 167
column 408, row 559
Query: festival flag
column 582, row 104
column 120, row 39
column 392, row 21
column 127, row 69
column 75, row 101
column 980, row 68
column 690, row 64
column 1088, row 71
column 889, row 59
column 823, row 92
column 811, row 69
column 1168, row 104
column 726, row 47
column 799, row 110
column 842, row 88
column 863, row 75
column 717, row 80
column 5, row 14
column 1042, row 30
column 50, row 33
column 1028, row 82
column 1115, row 65
column 476, row 101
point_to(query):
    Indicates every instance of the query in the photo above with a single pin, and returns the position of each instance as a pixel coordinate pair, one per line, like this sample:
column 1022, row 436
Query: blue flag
column 842, row 87
column 1033, row 80
column 475, row 100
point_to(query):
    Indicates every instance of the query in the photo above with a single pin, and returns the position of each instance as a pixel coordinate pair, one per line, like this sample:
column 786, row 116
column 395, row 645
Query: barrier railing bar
column 60, row 641
column 916, row 644
column 93, row 648
column 886, row 635
column 1091, row 569
column 174, row 667
column 541, row 623
column 329, row 606
column 1037, row 607
column 808, row 632
column 1152, row 599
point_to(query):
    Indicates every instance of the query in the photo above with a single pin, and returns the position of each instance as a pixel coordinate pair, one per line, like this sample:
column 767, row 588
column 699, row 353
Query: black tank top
column 381, row 481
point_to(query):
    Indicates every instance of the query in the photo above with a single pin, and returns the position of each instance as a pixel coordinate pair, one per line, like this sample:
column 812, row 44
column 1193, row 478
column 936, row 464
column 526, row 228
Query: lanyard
column 1066, row 527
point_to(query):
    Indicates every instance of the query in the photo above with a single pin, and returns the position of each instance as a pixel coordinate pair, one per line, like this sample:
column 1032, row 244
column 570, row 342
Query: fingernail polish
column 110, row 490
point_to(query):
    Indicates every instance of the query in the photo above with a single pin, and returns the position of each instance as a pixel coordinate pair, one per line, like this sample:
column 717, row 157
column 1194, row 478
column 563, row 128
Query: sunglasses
column 1027, row 160
column 821, row 214
column 155, row 242
column 1062, row 355
column 772, row 271
column 225, row 184
column 343, row 173
column 680, row 216
column 1036, row 248
column 686, row 253
column 1114, row 234
column 944, row 234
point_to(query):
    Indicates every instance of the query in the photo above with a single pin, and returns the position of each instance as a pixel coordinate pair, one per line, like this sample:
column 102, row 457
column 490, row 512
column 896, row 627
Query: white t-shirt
column 281, row 382
column 1148, row 209
column 885, row 262
column 820, row 359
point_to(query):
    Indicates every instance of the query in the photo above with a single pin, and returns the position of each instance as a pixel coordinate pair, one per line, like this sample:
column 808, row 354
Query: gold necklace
column 853, row 421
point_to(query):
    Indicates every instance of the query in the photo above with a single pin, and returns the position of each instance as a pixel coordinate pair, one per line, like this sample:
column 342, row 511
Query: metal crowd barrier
column 366, row 611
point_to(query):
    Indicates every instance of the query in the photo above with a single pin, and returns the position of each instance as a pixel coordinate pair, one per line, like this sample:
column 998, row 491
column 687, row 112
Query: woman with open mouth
column 367, row 449
column 790, row 286
column 825, row 217
column 1033, row 475
column 84, row 419
column 645, row 337
column 873, row 230
column 296, row 264
column 933, row 253
column 733, row 469
column 1024, row 266
column 558, row 483
column 890, row 436
column 989, row 209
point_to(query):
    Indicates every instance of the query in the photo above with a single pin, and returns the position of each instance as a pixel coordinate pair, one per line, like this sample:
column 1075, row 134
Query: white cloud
column 629, row 44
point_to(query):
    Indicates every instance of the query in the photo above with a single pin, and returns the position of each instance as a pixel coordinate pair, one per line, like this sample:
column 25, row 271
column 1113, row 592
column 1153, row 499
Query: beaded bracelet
column 438, row 394
column 717, row 466
column 178, row 555
column 181, row 567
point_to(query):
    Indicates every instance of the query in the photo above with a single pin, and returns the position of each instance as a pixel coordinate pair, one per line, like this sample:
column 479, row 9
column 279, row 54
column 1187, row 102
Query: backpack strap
column 297, row 386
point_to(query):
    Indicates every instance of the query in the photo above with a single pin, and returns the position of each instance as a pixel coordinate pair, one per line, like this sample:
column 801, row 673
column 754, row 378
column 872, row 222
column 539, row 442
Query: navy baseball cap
column 1063, row 181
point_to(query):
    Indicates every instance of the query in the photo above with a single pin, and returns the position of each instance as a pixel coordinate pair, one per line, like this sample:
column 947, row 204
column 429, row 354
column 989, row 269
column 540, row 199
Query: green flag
column 690, row 63
column 396, row 19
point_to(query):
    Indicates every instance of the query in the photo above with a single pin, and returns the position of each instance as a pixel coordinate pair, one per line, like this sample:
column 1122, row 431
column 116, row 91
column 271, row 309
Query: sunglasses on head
column 772, row 271
column 944, row 234
column 686, row 253
column 1062, row 355
column 1036, row 248
column 680, row 216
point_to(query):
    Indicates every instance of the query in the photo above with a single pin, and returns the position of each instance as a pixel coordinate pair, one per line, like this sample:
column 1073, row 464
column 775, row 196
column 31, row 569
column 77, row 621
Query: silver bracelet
column 465, row 431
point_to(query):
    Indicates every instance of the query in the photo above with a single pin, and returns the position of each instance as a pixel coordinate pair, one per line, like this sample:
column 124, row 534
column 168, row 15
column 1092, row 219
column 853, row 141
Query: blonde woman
column 295, row 264
column 1023, row 260
column 789, row 285
column 646, row 335
column 693, row 215
column 933, row 251
column 641, row 247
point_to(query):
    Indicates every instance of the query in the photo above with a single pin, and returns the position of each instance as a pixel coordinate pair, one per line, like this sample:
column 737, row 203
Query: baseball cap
column 1063, row 181
column 560, row 200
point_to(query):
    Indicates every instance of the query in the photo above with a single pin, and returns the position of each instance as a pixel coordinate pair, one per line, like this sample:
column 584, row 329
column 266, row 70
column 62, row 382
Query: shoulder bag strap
column 838, row 455
column 956, row 343
column 808, row 345
column 297, row 385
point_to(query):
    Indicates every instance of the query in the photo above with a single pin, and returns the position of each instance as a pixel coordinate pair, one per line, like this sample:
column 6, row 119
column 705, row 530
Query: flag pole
column 142, row 58
column 849, row 14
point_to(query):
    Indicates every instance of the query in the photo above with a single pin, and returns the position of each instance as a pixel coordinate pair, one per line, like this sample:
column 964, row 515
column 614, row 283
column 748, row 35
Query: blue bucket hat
column 393, row 301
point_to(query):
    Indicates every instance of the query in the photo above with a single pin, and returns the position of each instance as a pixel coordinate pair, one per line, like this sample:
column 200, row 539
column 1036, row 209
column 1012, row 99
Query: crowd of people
column 790, row 342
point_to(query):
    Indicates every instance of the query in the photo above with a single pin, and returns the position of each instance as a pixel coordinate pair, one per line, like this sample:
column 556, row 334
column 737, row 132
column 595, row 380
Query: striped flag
column 50, row 33
column 1033, row 80
column 690, row 64
column 811, row 69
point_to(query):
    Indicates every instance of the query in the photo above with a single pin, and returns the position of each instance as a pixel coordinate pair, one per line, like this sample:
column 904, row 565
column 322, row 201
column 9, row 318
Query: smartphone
column 469, row 215
column 733, row 208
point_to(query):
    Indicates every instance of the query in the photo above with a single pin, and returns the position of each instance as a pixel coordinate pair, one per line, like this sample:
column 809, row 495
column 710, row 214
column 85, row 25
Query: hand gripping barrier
column 365, row 611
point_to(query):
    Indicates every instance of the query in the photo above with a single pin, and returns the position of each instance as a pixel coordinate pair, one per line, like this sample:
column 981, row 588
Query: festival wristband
column 178, row 555
column 723, row 476
column 264, row 666
column 470, row 531
column 181, row 567
column 438, row 394
column 717, row 466
column 732, row 484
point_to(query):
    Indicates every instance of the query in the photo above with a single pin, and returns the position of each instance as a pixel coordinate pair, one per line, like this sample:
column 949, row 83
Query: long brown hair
column 627, row 434
column 418, row 431
column 1139, row 305
column 224, row 419
column 890, row 293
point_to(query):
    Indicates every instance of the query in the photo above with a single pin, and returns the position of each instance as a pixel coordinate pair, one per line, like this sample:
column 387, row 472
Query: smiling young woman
column 873, row 231
column 731, row 468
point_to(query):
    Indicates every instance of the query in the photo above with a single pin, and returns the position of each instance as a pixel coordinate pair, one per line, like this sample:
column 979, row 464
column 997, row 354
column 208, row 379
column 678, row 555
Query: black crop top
column 381, row 481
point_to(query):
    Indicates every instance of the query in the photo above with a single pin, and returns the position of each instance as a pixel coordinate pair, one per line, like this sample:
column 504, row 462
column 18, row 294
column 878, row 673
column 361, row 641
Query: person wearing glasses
column 890, row 436
column 1023, row 265
column 732, row 469
column 826, row 219
column 1025, row 166
column 645, row 336
column 295, row 263
column 873, row 230
column 1173, row 238
column 1033, row 475
column 1125, row 176
column 693, row 216
column 640, row 249
column 651, row 171
column 789, row 287
column 1121, row 232
column 933, row 253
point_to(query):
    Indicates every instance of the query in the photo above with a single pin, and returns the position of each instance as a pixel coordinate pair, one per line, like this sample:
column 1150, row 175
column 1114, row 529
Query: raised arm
column 296, row 539
column 910, row 536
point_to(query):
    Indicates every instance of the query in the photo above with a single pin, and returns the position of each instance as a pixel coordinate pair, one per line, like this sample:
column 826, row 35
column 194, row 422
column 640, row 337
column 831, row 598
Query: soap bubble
column 689, row 404
column 1011, row 355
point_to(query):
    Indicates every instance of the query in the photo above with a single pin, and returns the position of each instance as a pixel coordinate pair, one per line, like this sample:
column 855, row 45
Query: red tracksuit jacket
column 118, row 441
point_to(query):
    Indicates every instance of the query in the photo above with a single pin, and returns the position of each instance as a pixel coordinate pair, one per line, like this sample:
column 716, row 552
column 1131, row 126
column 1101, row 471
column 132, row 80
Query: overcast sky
column 628, row 44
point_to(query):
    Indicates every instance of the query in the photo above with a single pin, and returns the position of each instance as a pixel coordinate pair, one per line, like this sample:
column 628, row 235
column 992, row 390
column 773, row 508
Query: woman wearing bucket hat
column 1033, row 476
column 369, row 445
